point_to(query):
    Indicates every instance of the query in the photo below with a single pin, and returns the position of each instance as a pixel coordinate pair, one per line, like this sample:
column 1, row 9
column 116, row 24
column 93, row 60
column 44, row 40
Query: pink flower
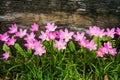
column 44, row 36
column 113, row 51
column 100, row 33
column 60, row 44
column 79, row 36
column 91, row 45
column 40, row 50
column 118, row 31
column 66, row 35
column 108, row 45
column 111, row 32
column 34, row 27
column 58, row 33
column 92, row 30
column 95, row 31
column 21, row 33
column 105, row 50
column 83, row 42
column 52, row 35
column 50, row 27
column 100, row 53
column 10, row 41
column 38, row 47
column 29, row 44
column 4, row 37
column 30, row 37
column 6, row 55
column 13, row 28
column 37, row 44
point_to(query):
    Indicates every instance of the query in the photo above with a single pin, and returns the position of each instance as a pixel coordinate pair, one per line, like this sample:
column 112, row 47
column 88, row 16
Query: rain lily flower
column 6, row 55
column 13, row 28
column 60, row 44
column 52, row 35
column 50, row 27
column 91, row 45
column 106, row 49
column 21, row 33
column 79, row 36
column 29, row 44
column 100, row 33
column 95, row 31
column 30, row 37
column 66, row 35
column 10, row 41
column 58, row 33
column 92, row 30
column 113, row 51
column 44, row 36
column 111, row 32
column 40, row 51
column 38, row 47
column 108, row 45
column 37, row 44
column 34, row 27
column 100, row 53
column 4, row 37
column 118, row 31
column 83, row 42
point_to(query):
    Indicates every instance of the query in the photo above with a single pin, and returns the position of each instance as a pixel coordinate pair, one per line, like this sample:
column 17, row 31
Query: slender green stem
column 84, row 67
column 84, row 64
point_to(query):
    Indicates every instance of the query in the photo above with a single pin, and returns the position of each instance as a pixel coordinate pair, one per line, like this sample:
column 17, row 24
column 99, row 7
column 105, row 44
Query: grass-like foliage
column 31, row 54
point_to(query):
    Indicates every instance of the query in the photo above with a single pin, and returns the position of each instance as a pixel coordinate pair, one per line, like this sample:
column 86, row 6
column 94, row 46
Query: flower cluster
column 84, row 42
column 106, row 49
column 60, row 38
column 96, row 31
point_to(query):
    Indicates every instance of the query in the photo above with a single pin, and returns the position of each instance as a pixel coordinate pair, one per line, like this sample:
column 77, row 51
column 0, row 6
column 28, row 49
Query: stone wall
column 72, row 13
column 36, row 6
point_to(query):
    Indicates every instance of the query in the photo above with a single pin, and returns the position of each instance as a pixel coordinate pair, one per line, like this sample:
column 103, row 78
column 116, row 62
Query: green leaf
column 6, row 48
column 28, row 52
column 55, row 49
column 107, row 67
column 105, row 38
column 116, row 77
column 45, row 43
column 97, row 41
column 113, row 43
column 96, row 69
column 19, row 49
column 71, row 46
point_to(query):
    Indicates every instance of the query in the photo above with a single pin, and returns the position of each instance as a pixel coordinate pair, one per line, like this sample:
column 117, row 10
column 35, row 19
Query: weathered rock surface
column 74, row 14
column 36, row 6
column 62, row 19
